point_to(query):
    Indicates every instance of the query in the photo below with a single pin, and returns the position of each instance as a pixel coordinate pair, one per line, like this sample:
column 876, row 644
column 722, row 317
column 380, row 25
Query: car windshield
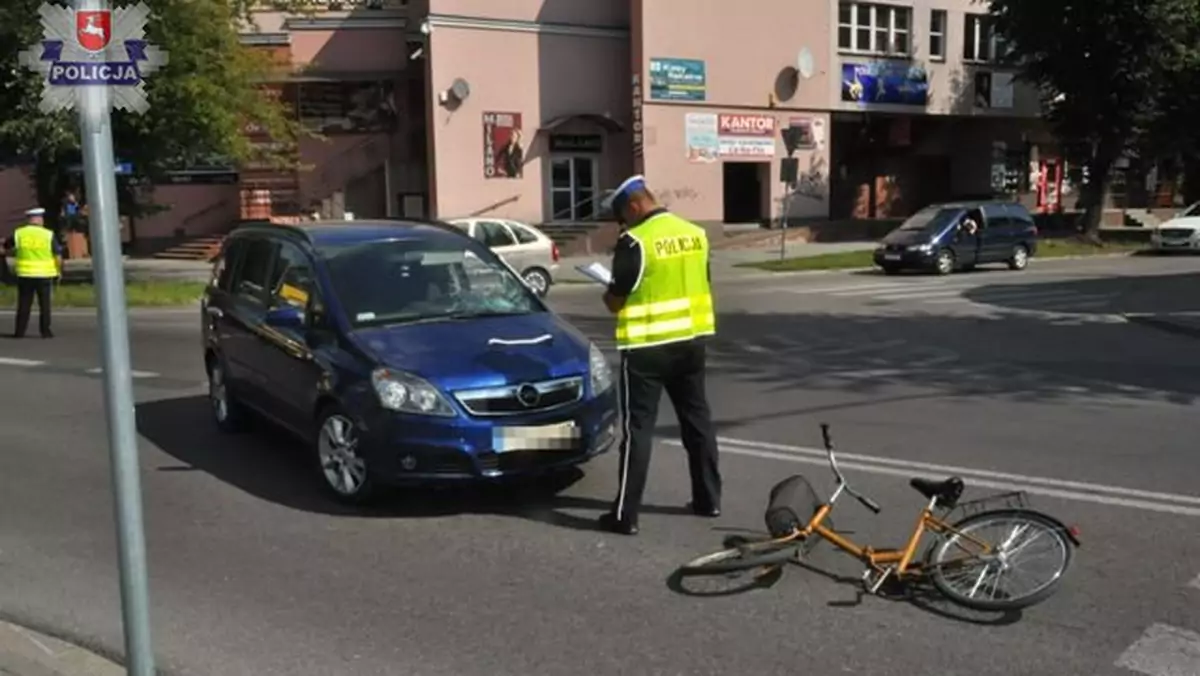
column 1191, row 211
column 930, row 218
column 407, row 280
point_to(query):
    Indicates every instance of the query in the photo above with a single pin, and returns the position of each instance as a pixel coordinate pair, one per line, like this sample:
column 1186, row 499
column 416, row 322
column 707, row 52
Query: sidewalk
column 24, row 652
column 724, row 261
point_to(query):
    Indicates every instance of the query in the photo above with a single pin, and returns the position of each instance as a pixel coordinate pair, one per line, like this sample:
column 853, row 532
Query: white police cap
column 36, row 211
column 623, row 191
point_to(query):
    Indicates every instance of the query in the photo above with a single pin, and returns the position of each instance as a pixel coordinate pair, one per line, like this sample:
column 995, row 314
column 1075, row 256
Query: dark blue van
column 399, row 352
column 940, row 238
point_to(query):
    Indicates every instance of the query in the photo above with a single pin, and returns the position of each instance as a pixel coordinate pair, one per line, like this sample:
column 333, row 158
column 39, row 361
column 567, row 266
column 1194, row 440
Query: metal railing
column 598, row 211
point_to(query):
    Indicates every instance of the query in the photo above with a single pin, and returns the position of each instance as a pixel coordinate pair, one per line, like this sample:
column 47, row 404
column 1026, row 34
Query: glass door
column 573, row 188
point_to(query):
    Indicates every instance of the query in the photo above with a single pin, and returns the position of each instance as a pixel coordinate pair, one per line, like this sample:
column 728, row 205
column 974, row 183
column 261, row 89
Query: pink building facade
column 534, row 109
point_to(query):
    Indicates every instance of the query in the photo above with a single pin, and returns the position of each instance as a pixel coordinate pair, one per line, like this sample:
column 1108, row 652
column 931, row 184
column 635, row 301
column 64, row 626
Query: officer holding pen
column 663, row 304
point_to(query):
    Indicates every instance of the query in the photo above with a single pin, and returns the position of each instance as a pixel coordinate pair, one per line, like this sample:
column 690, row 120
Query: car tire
column 1019, row 259
column 342, row 470
column 538, row 280
column 228, row 413
column 943, row 264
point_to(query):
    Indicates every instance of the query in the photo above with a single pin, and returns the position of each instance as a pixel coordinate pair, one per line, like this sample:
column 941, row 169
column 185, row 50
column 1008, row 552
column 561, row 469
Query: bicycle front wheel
column 1000, row 560
column 744, row 557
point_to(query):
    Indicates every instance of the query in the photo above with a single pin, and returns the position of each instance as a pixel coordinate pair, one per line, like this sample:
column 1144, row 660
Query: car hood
column 909, row 237
column 1189, row 222
column 480, row 352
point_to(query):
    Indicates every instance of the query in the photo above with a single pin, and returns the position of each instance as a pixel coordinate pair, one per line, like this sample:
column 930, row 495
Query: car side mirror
column 285, row 317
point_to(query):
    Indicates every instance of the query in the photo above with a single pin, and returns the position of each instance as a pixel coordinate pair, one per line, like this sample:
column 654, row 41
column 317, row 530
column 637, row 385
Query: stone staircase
column 582, row 239
column 196, row 249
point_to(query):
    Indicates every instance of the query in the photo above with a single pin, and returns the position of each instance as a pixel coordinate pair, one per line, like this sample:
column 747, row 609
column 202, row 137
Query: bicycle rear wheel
column 1024, row 545
column 743, row 557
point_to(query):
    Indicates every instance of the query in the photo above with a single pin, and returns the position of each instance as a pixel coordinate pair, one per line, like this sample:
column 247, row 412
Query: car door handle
column 214, row 312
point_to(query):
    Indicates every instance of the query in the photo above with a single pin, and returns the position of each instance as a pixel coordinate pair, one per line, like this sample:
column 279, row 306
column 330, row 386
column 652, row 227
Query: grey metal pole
column 95, row 121
column 783, row 222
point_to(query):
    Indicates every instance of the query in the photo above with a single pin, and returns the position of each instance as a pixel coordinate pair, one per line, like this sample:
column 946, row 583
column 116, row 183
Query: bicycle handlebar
column 827, row 438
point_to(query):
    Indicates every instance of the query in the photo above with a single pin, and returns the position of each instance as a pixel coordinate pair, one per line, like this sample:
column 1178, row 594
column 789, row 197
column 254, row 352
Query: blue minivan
column 936, row 239
column 400, row 352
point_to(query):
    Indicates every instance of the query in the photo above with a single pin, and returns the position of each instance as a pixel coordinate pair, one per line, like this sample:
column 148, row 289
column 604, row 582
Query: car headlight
column 598, row 369
column 406, row 393
column 924, row 248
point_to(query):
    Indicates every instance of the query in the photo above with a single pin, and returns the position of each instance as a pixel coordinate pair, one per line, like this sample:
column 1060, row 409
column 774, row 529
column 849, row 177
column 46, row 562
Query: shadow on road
column 1135, row 294
column 274, row 466
column 1015, row 356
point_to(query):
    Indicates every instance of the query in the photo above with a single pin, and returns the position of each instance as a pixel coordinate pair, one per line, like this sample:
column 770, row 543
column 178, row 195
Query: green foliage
column 1103, row 67
column 201, row 102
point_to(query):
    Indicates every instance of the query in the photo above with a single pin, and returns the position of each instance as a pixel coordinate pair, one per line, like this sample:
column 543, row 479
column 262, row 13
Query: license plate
column 891, row 257
column 556, row 437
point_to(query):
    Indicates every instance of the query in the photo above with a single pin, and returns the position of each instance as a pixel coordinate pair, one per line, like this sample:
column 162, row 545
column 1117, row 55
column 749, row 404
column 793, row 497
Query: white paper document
column 595, row 272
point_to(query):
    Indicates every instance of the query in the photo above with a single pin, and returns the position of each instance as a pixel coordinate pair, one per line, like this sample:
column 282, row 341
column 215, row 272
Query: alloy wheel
column 337, row 449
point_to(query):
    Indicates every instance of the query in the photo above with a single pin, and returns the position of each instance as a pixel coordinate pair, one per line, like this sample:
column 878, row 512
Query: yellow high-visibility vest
column 673, row 301
column 35, row 252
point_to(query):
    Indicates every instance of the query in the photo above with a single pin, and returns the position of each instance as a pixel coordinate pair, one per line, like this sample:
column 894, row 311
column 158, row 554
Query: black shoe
column 610, row 523
column 709, row 512
column 48, row 334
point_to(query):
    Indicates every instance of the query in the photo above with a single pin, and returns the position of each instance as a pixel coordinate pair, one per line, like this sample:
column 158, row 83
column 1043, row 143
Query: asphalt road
column 1015, row 380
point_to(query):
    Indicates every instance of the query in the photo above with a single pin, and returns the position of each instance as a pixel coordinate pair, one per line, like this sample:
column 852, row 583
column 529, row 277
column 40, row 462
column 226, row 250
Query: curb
column 25, row 652
column 1161, row 324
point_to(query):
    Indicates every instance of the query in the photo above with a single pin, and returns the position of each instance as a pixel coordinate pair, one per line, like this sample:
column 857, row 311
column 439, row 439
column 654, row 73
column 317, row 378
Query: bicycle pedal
column 872, row 585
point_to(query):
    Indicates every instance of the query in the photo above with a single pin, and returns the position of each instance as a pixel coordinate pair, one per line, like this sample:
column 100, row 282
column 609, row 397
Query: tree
column 200, row 103
column 1101, row 67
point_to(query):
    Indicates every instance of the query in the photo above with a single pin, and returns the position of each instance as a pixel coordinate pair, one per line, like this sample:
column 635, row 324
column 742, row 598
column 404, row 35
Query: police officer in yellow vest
column 38, row 265
column 660, row 294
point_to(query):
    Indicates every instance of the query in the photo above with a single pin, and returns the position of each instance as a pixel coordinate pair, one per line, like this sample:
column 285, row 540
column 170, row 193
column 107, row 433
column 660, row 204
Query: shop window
column 347, row 107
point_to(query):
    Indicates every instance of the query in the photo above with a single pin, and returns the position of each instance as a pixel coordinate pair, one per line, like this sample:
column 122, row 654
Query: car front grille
column 1176, row 233
column 535, row 397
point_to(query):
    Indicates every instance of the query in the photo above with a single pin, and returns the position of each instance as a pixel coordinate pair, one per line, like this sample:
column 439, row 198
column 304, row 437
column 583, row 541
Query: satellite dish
column 460, row 89
column 804, row 63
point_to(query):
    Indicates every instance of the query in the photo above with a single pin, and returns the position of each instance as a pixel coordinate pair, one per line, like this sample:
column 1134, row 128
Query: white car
column 529, row 251
column 1181, row 233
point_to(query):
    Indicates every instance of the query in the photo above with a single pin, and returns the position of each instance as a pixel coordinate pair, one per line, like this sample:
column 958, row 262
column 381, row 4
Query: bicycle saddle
column 947, row 492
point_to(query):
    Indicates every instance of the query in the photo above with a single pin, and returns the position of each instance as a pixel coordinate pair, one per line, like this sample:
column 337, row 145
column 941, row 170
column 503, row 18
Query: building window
column 874, row 29
column 573, row 194
column 937, row 34
column 980, row 42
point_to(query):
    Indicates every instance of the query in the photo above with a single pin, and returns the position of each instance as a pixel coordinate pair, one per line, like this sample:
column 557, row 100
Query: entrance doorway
column 744, row 191
column 573, row 188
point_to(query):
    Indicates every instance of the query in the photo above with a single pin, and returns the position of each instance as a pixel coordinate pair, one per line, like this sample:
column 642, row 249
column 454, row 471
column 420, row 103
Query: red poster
column 503, row 154
column 746, row 125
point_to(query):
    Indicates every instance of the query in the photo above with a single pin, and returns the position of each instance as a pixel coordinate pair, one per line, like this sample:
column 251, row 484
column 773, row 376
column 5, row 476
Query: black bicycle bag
column 792, row 503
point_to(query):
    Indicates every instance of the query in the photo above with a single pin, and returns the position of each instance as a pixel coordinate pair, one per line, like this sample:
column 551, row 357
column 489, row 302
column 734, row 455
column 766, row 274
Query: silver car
column 529, row 252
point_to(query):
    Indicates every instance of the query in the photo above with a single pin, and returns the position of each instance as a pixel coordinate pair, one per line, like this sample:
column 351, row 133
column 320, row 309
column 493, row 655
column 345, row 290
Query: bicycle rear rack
column 1011, row 500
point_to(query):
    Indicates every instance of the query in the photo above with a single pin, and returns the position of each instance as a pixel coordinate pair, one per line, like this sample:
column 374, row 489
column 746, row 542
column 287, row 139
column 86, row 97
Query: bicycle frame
column 882, row 561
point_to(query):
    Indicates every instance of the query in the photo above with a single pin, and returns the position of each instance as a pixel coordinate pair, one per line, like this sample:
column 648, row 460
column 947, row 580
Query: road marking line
column 135, row 374
column 951, row 469
column 906, row 290
column 1054, row 488
column 1163, row 651
column 14, row 361
column 1162, row 507
column 1195, row 583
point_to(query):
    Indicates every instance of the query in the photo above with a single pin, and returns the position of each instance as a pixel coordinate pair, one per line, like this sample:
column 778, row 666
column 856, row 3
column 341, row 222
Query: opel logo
column 528, row 395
